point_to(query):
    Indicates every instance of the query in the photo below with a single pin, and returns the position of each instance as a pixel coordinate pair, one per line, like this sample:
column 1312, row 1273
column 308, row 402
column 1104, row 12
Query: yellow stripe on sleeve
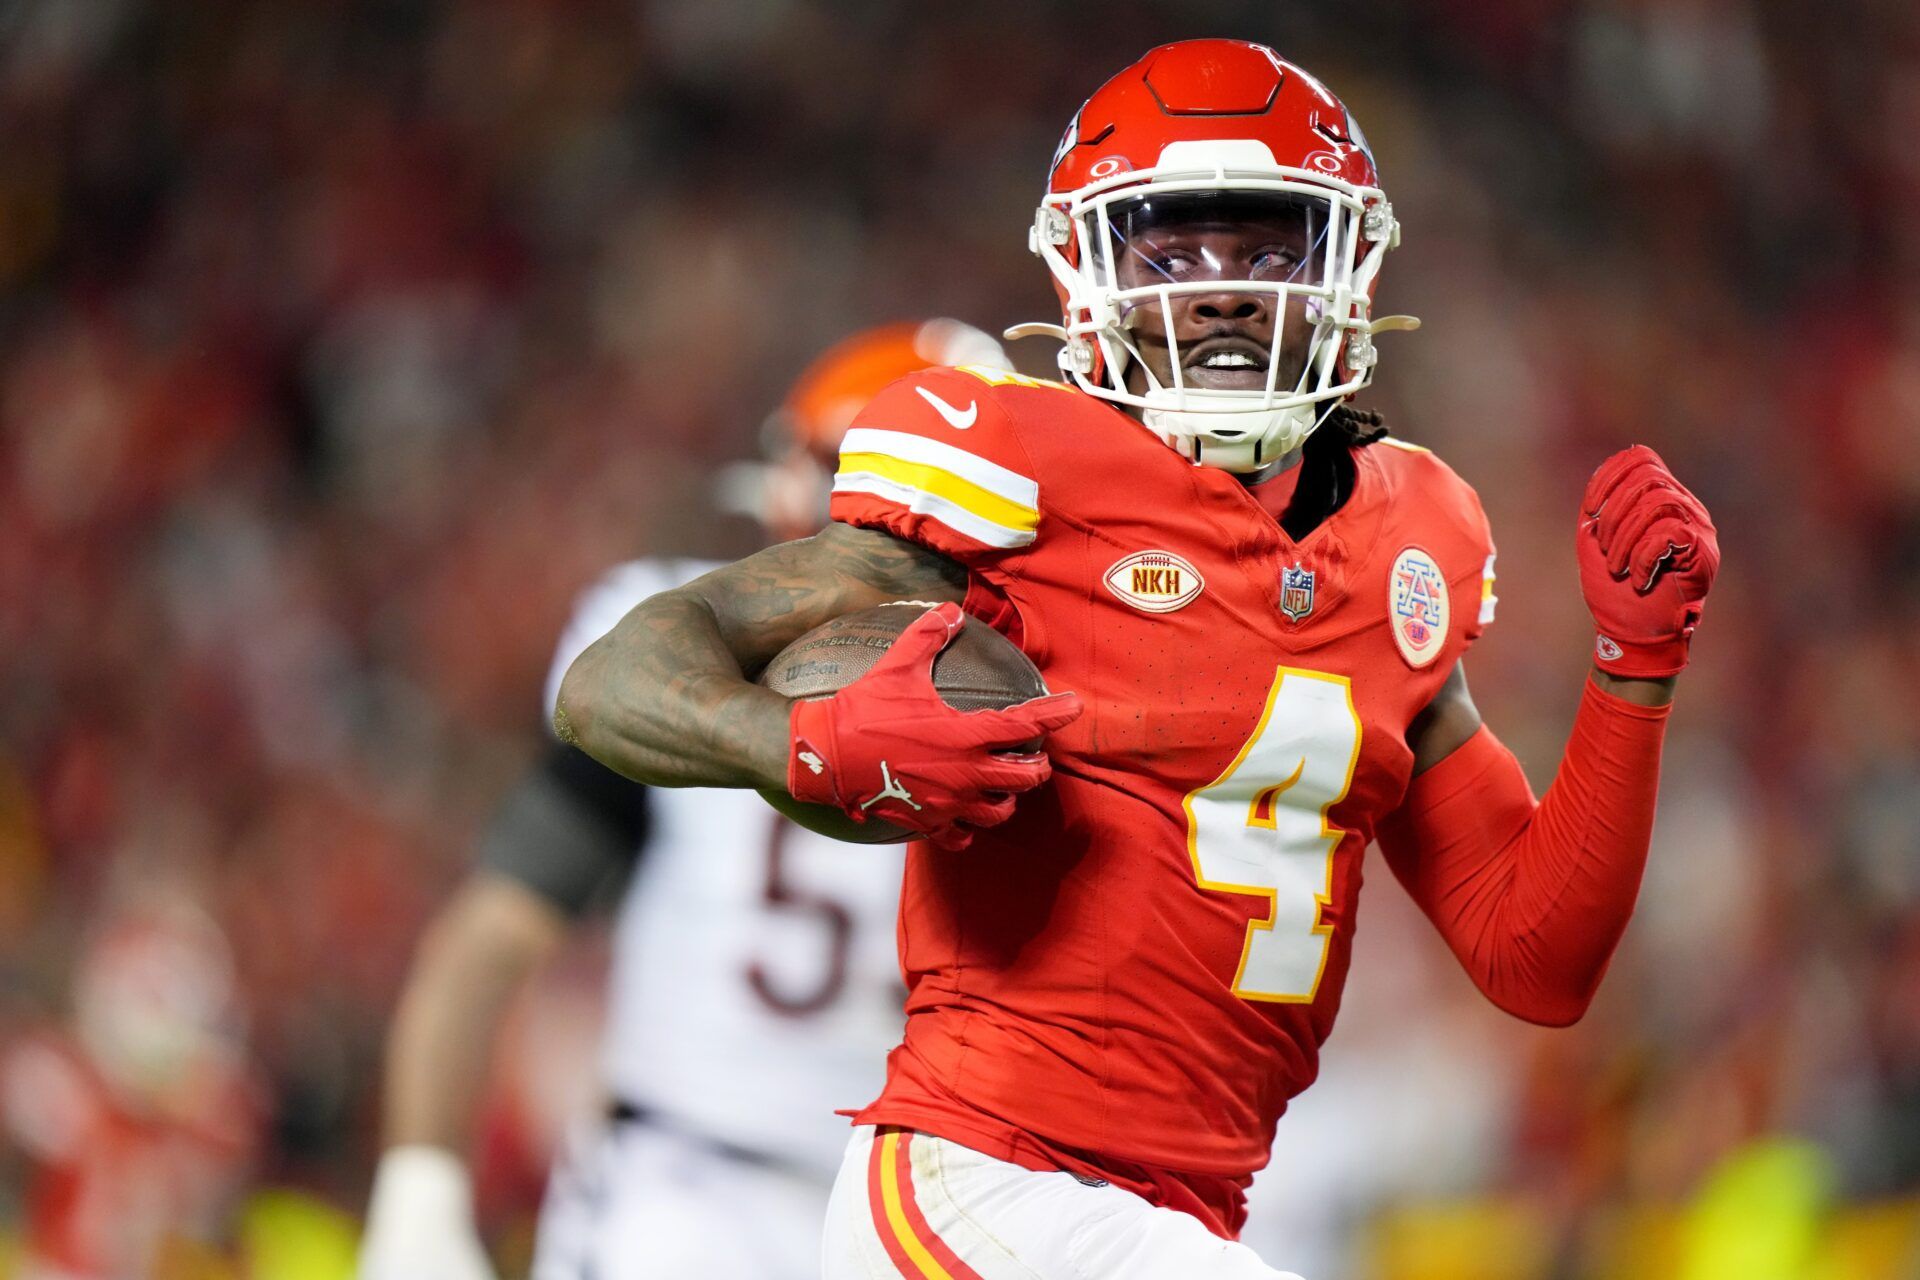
column 941, row 483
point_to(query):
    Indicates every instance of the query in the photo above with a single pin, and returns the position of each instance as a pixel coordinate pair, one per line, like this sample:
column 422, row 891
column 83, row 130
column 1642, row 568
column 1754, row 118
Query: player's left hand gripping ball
column 1648, row 552
column 888, row 746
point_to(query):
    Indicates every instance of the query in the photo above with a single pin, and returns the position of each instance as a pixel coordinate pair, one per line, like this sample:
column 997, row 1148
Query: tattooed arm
column 663, row 697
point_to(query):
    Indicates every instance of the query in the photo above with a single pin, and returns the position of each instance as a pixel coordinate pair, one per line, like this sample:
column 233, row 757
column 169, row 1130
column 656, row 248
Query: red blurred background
column 342, row 341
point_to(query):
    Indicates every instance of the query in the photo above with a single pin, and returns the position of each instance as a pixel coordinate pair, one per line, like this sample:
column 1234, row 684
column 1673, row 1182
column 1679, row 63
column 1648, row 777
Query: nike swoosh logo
column 958, row 419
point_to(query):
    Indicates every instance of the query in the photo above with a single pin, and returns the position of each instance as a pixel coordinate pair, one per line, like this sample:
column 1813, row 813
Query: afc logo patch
column 1296, row 592
column 1417, row 607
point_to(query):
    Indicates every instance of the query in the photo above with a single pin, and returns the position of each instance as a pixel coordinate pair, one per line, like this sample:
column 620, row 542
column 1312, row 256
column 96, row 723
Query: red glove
column 1648, row 552
column 886, row 745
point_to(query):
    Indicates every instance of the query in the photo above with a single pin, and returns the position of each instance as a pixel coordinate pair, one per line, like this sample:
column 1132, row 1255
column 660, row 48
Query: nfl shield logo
column 1296, row 592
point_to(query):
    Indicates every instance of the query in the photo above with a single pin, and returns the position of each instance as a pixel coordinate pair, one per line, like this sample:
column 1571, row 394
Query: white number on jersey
column 1261, row 828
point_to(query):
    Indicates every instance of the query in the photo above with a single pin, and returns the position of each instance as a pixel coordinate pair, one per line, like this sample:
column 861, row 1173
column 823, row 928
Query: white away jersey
column 755, row 985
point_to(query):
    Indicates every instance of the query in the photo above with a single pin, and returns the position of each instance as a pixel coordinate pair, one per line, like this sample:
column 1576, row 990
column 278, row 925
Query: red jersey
column 113, row 1184
column 1134, row 974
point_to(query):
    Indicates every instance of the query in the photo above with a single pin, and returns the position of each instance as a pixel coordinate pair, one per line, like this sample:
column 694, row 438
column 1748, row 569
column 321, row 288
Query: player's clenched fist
column 1648, row 552
column 887, row 746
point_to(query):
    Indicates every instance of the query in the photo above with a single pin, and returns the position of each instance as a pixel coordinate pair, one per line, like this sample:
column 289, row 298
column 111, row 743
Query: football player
column 1259, row 604
column 138, row 1120
column 754, row 983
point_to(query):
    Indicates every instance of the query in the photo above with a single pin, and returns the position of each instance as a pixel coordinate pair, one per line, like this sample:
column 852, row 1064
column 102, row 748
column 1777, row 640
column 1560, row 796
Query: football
column 979, row 670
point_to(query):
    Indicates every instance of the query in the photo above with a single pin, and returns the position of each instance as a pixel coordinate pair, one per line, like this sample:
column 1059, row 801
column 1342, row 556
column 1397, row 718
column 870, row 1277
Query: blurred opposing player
column 755, row 985
column 1262, row 604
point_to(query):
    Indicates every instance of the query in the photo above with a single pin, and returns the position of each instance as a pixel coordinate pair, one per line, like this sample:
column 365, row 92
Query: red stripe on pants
column 911, row 1204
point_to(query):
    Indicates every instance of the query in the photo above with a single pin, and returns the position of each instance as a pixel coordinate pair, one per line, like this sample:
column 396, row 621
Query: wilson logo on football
column 1155, row 581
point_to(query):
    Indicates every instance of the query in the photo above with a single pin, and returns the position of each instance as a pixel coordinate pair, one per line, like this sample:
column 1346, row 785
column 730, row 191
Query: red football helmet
column 1200, row 134
column 788, row 492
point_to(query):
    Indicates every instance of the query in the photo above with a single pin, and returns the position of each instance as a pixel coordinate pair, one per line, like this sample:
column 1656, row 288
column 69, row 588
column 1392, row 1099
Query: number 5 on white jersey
column 1261, row 828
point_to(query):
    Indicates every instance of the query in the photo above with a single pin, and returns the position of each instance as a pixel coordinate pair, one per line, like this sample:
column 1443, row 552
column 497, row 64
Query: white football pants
column 906, row 1204
column 630, row 1202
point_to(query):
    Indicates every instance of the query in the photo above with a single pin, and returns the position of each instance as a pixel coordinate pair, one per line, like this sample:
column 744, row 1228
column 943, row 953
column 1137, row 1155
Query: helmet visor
column 1187, row 237
column 1218, row 290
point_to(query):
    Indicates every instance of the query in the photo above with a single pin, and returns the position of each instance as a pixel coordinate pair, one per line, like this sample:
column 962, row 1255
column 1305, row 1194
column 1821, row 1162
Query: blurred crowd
column 342, row 341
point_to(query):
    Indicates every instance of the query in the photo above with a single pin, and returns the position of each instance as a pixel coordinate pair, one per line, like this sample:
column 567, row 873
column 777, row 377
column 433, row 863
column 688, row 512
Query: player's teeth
column 1229, row 360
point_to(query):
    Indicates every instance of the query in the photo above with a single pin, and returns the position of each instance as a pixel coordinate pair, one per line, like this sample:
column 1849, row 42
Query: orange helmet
column 837, row 385
column 788, row 490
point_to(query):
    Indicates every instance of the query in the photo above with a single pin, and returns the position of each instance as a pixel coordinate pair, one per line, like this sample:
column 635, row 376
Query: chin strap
column 1271, row 434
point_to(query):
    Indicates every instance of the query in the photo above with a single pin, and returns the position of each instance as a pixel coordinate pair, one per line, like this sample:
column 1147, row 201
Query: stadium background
column 342, row 341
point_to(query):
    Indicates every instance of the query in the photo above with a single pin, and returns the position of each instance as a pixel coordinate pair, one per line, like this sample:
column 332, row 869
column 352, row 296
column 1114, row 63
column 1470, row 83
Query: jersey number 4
column 1261, row 828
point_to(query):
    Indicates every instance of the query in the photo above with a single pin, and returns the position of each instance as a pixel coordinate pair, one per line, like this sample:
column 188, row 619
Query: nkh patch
column 1155, row 581
column 1296, row 592
column 1417, row 607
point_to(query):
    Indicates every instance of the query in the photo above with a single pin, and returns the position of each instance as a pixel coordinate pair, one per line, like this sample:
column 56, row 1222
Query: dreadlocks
column 1358, row 426
column 1326, row 467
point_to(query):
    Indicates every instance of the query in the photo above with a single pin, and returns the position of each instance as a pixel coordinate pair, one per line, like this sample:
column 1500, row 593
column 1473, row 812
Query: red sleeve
column 936, row 459
column 1533, row 898
column 1437, row 504
column 1480, row 601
